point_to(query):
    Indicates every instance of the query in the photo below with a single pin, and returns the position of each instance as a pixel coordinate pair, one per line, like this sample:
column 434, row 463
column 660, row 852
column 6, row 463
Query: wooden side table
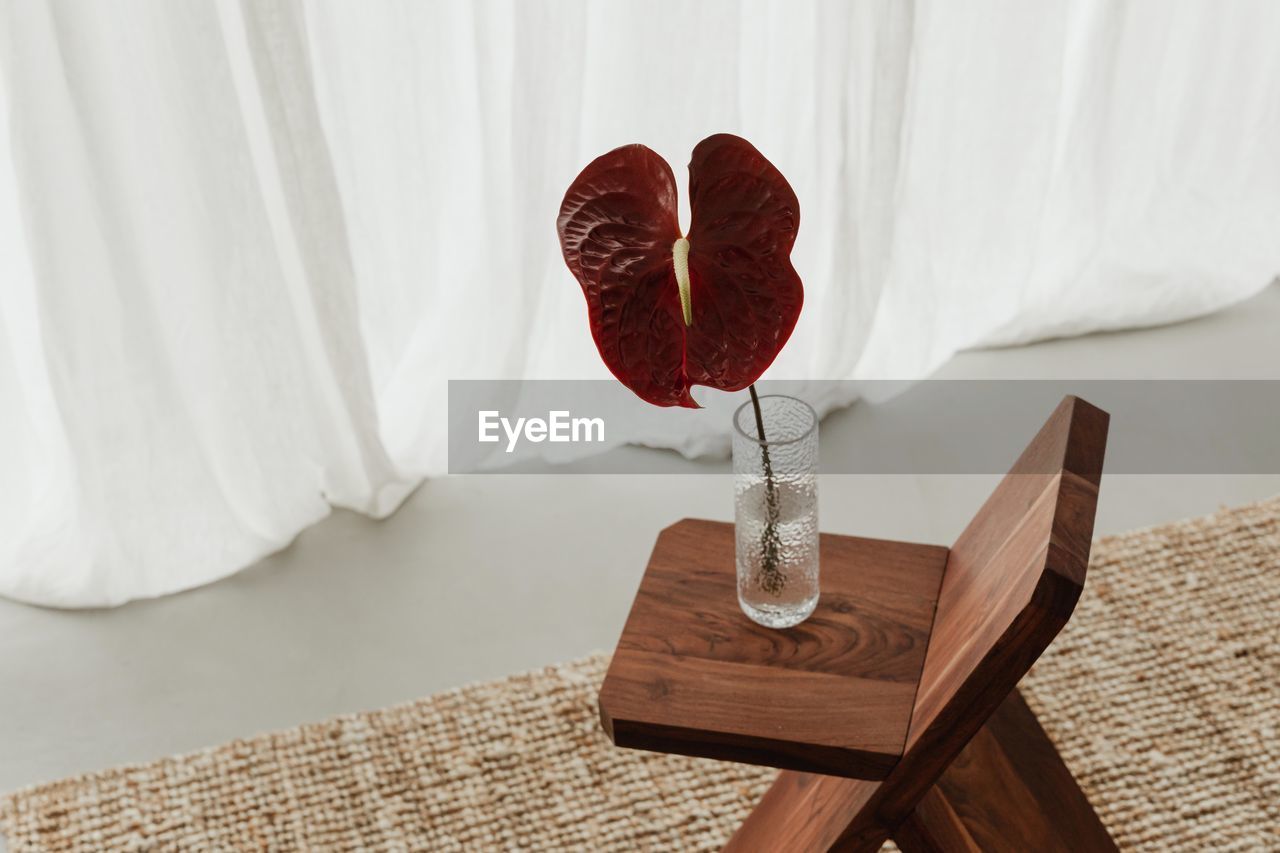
column 893, row 710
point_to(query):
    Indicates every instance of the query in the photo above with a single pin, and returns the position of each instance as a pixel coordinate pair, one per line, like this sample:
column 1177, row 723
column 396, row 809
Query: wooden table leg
column 1008, row 790
column 807, row 813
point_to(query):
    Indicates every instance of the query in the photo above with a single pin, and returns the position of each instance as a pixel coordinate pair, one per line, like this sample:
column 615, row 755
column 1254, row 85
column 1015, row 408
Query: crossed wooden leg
column 1007, row 791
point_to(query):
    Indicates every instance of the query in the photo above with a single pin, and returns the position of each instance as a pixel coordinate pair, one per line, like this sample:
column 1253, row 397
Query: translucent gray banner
column 925, row 427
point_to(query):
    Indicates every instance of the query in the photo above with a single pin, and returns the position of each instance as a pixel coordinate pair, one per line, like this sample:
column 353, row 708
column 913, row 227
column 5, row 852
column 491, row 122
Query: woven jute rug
column 1163, row 695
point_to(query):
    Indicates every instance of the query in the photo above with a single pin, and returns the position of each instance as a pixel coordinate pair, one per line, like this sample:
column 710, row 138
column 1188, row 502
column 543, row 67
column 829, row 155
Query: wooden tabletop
column 833, row 695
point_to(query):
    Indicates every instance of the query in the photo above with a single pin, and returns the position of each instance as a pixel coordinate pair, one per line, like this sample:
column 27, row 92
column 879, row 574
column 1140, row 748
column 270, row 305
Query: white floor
column 480, row 576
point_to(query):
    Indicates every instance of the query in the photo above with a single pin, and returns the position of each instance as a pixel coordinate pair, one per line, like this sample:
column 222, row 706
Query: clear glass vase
column 775, row 476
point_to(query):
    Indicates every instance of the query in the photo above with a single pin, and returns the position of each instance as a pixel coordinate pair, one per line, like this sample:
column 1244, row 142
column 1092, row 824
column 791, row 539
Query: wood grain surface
column 834, row 694
column 1011, row 581
column 1008, row 791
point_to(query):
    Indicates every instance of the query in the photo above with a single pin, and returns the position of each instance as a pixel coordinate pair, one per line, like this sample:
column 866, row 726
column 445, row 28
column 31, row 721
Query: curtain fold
column 245, row 245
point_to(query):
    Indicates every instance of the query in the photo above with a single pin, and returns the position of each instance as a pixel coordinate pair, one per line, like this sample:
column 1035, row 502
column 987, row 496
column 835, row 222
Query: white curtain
column 244, row 246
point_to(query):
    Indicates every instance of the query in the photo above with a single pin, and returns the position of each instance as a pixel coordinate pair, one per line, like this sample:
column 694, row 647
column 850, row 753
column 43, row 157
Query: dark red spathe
column 617, row 225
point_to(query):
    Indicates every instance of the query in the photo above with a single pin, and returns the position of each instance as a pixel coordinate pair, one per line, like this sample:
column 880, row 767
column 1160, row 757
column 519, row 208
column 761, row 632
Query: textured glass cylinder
column 775, row 476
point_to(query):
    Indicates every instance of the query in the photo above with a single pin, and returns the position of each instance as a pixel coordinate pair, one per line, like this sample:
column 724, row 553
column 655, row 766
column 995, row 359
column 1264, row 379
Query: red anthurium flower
column 669, row 312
